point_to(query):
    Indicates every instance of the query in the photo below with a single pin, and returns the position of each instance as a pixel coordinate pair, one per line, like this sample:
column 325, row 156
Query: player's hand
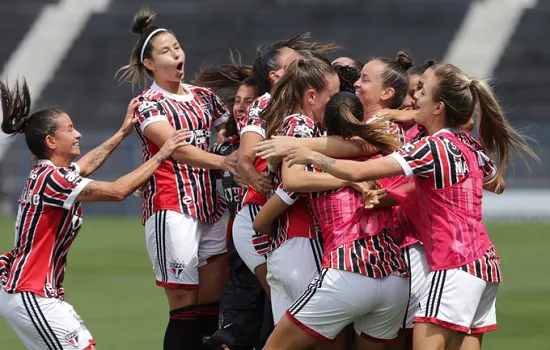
column 401, row 116
column 130, row 120
column 220, row 137
column 230, row 163
column 239, row 180
column 299, row 155
column 277, row 146
column 372, row 197
column 180, row 138
column 263, row 183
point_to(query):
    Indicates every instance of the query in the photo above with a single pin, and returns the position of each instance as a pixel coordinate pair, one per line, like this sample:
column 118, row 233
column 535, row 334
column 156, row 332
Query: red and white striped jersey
column 375, row 256
column 297, row 220
column 178, row 186
column 252, row 122
column 47, row 223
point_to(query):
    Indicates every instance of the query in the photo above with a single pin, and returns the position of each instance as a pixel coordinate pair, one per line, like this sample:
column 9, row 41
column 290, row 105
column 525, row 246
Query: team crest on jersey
column 177, row 268
column 72, row 338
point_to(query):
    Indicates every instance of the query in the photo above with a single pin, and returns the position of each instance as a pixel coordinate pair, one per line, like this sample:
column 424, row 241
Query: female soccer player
column 50, row 217
column 185, row 237
column 268, row 68
column 298, row 103
column 450, row 170
column 359, row 253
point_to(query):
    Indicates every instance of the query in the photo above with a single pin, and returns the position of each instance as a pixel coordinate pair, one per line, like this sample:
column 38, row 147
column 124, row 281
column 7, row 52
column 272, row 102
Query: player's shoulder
column 198, row 90
column 149, row 94
column 263, row 99
column 299, row 119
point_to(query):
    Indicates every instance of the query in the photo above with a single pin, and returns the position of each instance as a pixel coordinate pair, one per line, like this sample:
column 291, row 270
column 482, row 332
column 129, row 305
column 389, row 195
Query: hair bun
column 143, row 20
column 404, row 60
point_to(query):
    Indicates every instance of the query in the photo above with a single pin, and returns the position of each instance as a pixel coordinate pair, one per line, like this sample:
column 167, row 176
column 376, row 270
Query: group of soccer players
column 354, row 193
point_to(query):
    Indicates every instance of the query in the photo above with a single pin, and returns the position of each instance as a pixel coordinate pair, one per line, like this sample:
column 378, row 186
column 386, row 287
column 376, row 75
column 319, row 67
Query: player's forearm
column 337, row 147
column 95, row 158
column 196, row 157
column 308, row 181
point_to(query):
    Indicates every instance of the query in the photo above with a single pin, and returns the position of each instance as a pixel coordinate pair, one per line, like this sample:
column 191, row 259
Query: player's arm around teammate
column 49, row 219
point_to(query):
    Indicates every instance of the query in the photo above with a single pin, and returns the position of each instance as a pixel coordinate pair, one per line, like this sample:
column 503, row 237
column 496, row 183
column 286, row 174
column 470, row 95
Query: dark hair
column 344, row 116
column 395, row 76
column 16, row 103
column 266, row 60
column 289, row 91
column 419, row 70
column 141, row 25
column 231, row 125
column 225, row 76
column 355, row 64
column 461, row 96
column 348, row 75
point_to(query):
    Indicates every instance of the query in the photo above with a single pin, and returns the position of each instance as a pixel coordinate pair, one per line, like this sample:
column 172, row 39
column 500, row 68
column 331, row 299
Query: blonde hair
column 288, row 93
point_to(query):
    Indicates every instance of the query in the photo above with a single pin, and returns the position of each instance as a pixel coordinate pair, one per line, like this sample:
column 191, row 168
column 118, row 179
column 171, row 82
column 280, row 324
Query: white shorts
column 178, row 244
column 290, row 269
column 459, row 301
column 415, row 257
column 243, row 234
column 336, row 298
column 44, row 323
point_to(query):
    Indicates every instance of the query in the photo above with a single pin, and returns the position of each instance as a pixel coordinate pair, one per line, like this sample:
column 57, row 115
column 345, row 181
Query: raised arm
column 97, row 191
column 92, row 160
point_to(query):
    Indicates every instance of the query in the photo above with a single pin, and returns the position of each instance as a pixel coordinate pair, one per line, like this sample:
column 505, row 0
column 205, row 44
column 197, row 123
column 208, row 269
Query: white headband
column 147, row 40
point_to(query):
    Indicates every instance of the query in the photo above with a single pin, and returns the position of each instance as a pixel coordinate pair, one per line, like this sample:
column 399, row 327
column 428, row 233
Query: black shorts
column 244, row 303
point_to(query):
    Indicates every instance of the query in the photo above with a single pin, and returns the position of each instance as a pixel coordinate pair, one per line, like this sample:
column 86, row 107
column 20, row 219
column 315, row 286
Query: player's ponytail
column 16, row 104
column 343, row 117
column 142, row 25
column 461, row 96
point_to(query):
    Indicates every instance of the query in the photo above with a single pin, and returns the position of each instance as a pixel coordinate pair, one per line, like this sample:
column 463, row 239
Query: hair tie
column 147, row 41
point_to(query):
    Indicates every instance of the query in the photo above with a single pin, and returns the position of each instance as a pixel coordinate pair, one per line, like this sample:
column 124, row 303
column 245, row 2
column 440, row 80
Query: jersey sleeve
column 149, row 112
column 63, row 186
column 252, row 121
column 220, row 110
column 287, row 197
column 300, row 127
column 487, row 165
column 415, row 158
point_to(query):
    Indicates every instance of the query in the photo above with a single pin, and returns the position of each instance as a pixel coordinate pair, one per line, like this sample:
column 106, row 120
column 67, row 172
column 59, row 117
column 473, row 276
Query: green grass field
column 111, row 285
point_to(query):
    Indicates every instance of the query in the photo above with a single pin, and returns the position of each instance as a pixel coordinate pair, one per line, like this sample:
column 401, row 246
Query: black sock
column 208, row 316
column 182, row 331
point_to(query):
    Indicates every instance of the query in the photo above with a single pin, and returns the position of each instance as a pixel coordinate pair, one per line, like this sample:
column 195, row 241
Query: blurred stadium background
column 69, row 51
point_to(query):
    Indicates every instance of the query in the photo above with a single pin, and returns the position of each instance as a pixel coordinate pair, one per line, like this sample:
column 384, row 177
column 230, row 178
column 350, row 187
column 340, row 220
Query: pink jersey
column 445, row 208
column 414, row 132
column 342, row 216
column 356, row 239
column 48, row 222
